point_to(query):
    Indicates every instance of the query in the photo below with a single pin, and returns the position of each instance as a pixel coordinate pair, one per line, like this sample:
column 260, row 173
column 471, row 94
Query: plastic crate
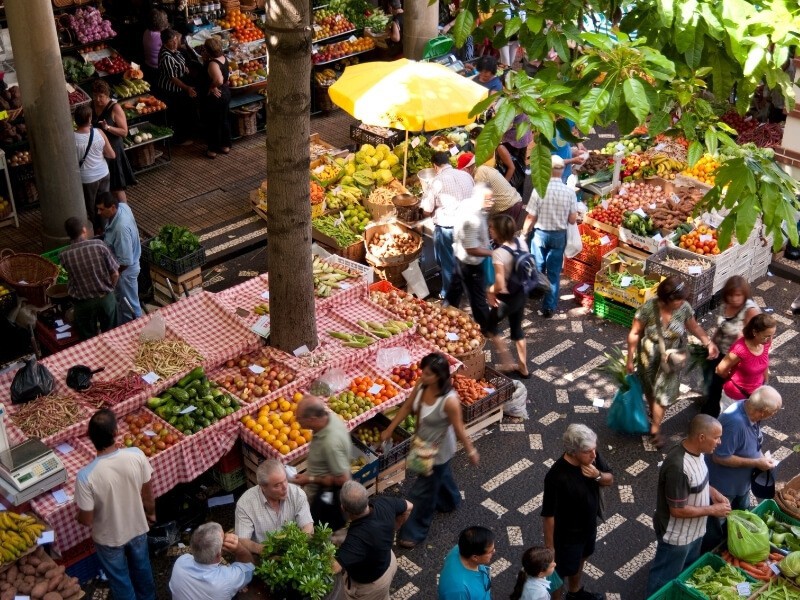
column 629, row 296
column 699, row 285
column 54, row 256
column 230, row 481
column 362, row 136
column 580, row 272
column 8, row 300
column 85, row 569
column 176, row 266
column 503, row 390
column 401, row 438
column 716, row 563
column 608, row 309
column 771, row 506
column 593, row 255
column 675, row 591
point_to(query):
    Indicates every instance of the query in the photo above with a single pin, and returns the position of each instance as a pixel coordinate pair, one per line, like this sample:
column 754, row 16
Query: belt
column 444, row 226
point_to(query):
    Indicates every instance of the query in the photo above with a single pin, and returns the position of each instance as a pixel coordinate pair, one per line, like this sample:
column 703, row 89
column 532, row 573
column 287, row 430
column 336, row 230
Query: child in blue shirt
column 538, row 564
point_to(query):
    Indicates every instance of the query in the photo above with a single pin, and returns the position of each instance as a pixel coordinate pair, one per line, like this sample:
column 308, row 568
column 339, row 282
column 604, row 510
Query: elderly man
column 684, row 503
column 329, row 456
column 200, row 576
column 441, row 200
column 366, row 554
column 571, row 506
column 465, row 574
column 93, row 273
column 269, row 505
column 122, row 236
column 507, row 200
column 115, row 498
column 551, row 215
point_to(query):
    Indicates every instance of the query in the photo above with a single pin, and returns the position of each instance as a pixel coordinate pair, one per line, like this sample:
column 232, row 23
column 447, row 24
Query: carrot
column 776, row 556
column 736, row 562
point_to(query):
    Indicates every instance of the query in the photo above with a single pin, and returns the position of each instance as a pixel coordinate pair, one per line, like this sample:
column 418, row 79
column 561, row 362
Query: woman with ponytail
column 538, row 563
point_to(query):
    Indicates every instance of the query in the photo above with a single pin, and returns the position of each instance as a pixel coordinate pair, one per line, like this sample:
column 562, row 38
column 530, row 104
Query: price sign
column 352, row 39
column 451, row 337
column 640, row 212
column 265, row 295
column 705, row 237
column 604, row 240
column 675, row 198
column 583, row 288
column 301, row 351
column 261, row 327
column 257, row 369
column 695, row 270
column 188, row 409
column 415, row 142
column 314, row 49
column 319, row 169
column 604, row 204
column 598, row 403
column 375, row 389
column 150, row 378
column 775, row 568
column 133, row 131
column 489, row 390
column 743, row 588
column 150, row 433
column 453, row 150
column 198, row 21
column 657, row 237
column 625, row 281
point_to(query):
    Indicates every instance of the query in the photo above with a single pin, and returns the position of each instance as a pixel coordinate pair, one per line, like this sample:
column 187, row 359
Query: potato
column 9, row 594
column 11, row 573
column 53, row 596
column 55, row 582
column 39, row 590
column 28, row 569
column 53, row 572
column 24, row 588
column 42, row 568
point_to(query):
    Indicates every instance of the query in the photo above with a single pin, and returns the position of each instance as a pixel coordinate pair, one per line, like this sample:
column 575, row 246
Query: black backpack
column 524, row 274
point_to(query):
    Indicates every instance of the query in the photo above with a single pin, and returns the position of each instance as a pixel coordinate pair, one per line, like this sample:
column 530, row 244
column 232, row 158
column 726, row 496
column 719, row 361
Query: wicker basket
column 62, row 3
column 474, row 363
column 36, row 272
column 246, row 120
column 142, row 157
column 229, row 5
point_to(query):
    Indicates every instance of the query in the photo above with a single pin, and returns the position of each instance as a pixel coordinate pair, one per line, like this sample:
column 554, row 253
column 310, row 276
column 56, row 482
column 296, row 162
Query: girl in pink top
column 746, row 366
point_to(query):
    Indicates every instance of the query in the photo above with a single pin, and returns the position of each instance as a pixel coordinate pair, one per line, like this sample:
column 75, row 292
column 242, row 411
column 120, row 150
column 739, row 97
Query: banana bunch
column 327, row 277
column 17, row 534
column 326, row 77
column 666, row 166
column 342, row 196
column 352, row 340
column 387, row 329
column 326, row 173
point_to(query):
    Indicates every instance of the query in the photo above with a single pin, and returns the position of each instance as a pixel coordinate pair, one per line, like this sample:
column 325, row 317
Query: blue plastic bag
column 627, row 413
column 488, row 271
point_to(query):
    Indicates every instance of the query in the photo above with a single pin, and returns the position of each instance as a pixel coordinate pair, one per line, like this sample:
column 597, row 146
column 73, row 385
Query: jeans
column 548, row 252
column 90, row 312
column 444, row 255
column 669, row 562
column 128, row 287
column 128, row 569
column 436, row 492
column 472, row 278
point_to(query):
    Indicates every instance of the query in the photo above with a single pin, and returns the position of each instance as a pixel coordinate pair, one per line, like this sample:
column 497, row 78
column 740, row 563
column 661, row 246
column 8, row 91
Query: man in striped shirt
column 685, row 500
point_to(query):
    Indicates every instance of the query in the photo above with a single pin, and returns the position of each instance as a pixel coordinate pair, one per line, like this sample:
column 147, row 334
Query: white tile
column 783, row 320
column 773, row 433
column 405, row 592
column 536, row 441
column 782, row 453
column 543, row 375
column 614, row 521
column 788, row 379
column 512, row 427
column 549, row 463
column 760, row 301
column 408, row 566
column 645, row 520
column 586, row 368
column 553, row 352
column 637, row 467
column 562, row 396
column 549, row 418
column 592, row 571
column 613, row 596
column 647, row 445
column 637, row 563
column 514, row 535
column 532, row 504
column 595, row 344
column 506, row 475
column 498, row 566
column 577, row 326
column 677, row 408
column 493, row 506
column 626, row 494
column 248, row 274
column 780, row 339
column 582, row 409
column 765, row 285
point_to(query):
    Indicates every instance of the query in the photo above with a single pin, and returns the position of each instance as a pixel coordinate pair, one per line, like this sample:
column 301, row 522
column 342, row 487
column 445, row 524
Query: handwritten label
column 625, row 281
column 133, row 131
column 583, row 288
column 604, row 240
column 150, row 433
column 188, row 409
column 261, row 327
column 150, row 378
column 70, row 89
column 265, row 295
column 415, row 142
column 695, row 270
column 64, row 335
column 675, row 198
column 301, row 351
column 257, row 369
column 47, row 537
column 743, row 588
column 705, row 237
column 640, row 212
column 59, row 323
column 451, row 337
column 453, row 150
column 64, row 448
column 598, row 403
column 375, row 389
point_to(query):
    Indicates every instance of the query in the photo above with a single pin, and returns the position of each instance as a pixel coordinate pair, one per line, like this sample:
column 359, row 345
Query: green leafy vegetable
column 174, row 242
column 717, row 585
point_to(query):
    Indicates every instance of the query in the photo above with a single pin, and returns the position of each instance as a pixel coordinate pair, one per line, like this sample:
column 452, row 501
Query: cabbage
column 790, row 566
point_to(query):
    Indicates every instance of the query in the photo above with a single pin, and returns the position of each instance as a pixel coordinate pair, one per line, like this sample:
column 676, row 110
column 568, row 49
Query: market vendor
column 269, row 505
column 487, row 74
column 329, row 455
column 394, row 30
column 507, row 200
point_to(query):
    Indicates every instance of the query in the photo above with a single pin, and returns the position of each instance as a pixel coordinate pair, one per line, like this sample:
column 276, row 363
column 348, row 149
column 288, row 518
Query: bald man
column 329, row 456
column 684, row 503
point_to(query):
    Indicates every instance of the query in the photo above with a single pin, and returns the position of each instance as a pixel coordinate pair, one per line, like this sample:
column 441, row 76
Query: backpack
column 524, row 274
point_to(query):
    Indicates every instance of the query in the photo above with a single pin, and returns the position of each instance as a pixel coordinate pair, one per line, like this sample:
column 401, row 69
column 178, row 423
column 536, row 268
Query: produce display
column 349, row 405
column 341, row 49
column 782, row 535
column 382, row 195
column 386, row 329
column 327, row 277
column 791, row 497
column 703, row 170
column 193, row 403
column 765, row 135
column 90, row 26
column 673, row 214
column 738, row 122
column 18, row 533
column 635, row 166
column 245, row 52
column 594, row 164
column 393, row 244
column 76, row 70
column 336, row 229
column 173, row 241
column 242, row 78
column 361, row 13
column 105, row 394
column 13, row 133
column 112, row 65
column 760, row 570
column 470, row 390
column 10, row 98
column 406, row 376
column 638, row 224
column 316, row 193
column 326, row 173
column 344, row 196
column 716, row 585
column 369, row 436
column 47, row 415
column 666, row 166
column 20, row 158
column 372, row 165
column 626, row 145
column 611, row 214
column 790, row 566
column 357, row 217
column 257, row 376
column 147, row 434
column 328, row 23
column 243, row 28
column 419, row 154
column 275, row 423
column 142, row 134
column 367, row 387
column 686, row 265
column 409, row 424
column 36, row 575
column 143, row 105
column 5, row 209
column 77, row 96
column 352, row 340
column 702, row 240
column 625, row 279
column 128, row 88
column 165, row 357
column 779, row 589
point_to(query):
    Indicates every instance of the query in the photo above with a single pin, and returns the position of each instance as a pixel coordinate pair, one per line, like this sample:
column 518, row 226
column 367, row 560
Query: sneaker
column 547, row 313
column 582, row 594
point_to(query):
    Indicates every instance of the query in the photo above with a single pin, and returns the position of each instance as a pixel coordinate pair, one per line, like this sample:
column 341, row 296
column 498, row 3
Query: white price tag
column 314, row 49
column 337, row 189
column 625, row 281
column 375, row 389
column 60, row 496
column 705, row 237
column 640, row 212
column 150, row 433
column 675, row 198
column 64, row 448
column 344, row 285
column 451, row 337
column 604, row 204
column 64, row 328
column 188, row 409
column 352, row 39
column 198, row 21
column 775, row 568
column 319, row 169
column 489, row 390
column 657, row 237
column 583, row 288
column 59, row 323
column 598, row 403
column 257, row 369
column 415, row 142
column 261, row 327
column 453, row 150
column 265, row 295
column 70, row 89
column 695, row 270
column 134, row 66
column 604, row 240
column 653, row 206
column 22, row 598
column 133, row 131
column 743, row 588
column 150, row 378
column 64, row 335
column 301, row 351
column 47, row 537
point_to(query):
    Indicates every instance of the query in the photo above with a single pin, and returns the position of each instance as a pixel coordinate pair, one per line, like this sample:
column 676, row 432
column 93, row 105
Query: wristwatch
column 599, row 477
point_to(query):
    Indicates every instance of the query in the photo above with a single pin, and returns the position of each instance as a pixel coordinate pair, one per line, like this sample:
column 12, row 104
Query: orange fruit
column 284, row 449
column 273, row 405
column 300, row 440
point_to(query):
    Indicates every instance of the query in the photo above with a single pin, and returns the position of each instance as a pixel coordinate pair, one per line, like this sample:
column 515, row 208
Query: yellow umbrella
column 405, row 94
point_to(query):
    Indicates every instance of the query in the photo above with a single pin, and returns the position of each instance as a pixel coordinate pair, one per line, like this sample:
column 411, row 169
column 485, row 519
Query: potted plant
column 298, row 566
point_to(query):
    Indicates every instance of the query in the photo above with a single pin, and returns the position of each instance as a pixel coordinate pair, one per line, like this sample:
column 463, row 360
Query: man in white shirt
column 551, row 215
column 441, row 200
column 200, row 576
column 471, row 247
column 506, row 198
column 269, row 505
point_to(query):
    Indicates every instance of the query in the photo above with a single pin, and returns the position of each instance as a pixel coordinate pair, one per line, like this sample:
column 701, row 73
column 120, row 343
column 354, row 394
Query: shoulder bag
column 422, row 454
column 88, row 147
column 672, row 360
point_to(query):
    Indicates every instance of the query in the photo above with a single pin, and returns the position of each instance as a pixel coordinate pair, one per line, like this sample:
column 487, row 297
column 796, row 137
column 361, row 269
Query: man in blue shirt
column 465, row 574
column 200, row 576
column 122, row 236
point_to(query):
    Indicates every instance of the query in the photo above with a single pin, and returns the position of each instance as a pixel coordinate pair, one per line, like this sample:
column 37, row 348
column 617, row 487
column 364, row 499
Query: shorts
column 570, row 555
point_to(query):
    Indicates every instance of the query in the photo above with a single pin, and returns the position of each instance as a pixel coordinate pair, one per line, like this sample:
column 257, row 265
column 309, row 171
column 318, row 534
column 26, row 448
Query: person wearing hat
column 550, row 216
column 507, row 200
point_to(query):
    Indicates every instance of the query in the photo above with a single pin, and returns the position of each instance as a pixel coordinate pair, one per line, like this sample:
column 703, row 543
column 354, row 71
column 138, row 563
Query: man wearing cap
column 506, row 198
column 441, row 201
column 550, row 216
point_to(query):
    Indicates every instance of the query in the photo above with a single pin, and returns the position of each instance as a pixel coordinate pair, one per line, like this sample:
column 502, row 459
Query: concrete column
column 44, row 98
column 420, row 24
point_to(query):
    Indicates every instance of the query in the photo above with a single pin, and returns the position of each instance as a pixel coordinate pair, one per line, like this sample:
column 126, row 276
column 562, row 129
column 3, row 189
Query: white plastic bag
column 517, row 406
column 574, row 243
column 155, row 330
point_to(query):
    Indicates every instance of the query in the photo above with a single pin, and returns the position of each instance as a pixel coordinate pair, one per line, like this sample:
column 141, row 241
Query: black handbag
column 325, row 508
column 762, row 483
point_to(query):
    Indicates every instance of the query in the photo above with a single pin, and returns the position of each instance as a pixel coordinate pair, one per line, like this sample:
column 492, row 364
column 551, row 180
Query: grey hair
column 206, row 544
column 577, row 438
column 353, row 498
column 266, row 469
column 765, row 398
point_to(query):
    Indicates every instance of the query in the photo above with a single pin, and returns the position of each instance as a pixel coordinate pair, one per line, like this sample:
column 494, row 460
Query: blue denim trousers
column 128, row 569
column 444, row 255
column 669, row 562
column 128, row 287
column 436, row 492
column 547, row 248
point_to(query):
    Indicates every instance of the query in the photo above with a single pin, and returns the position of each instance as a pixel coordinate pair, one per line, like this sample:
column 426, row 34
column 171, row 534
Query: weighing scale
column 28, row 469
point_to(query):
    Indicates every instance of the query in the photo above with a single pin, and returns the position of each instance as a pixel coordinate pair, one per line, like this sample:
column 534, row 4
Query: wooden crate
column 193, row 280
column 393, row 475
column 486, row 421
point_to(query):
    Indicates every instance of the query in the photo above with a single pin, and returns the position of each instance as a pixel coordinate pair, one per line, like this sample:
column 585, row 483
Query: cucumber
column 196, row 373
column 180, row 395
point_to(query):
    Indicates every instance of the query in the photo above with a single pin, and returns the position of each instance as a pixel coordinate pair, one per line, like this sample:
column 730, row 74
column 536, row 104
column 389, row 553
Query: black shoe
column 796, row 306
column 582, row 594
column 547, row 313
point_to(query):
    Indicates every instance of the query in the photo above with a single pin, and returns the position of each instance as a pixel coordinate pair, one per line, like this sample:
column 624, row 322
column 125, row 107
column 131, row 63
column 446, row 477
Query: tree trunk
column 293, row 322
